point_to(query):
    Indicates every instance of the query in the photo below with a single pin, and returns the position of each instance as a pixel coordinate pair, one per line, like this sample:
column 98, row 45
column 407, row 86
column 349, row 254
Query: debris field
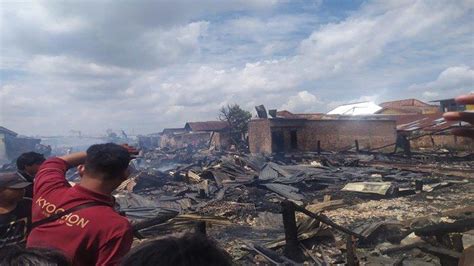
column 321, row 208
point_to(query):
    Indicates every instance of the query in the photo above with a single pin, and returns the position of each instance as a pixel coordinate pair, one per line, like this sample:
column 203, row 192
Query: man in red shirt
column 94, row 235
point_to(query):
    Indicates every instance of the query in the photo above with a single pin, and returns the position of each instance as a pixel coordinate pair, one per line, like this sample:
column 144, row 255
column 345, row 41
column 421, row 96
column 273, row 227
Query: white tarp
column 363, row 108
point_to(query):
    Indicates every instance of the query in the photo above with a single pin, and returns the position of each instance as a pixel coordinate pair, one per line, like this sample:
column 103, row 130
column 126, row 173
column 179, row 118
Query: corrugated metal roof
column 363, row 108
column 7, row 131
column 424, row 122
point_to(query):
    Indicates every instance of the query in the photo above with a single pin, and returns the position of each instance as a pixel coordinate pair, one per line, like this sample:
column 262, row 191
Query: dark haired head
column 14, row 255
column 191, row 249
column 29, row 159
column 108, row 161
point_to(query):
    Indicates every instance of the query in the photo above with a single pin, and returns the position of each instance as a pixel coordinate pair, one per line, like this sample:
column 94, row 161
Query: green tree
column 238, row 120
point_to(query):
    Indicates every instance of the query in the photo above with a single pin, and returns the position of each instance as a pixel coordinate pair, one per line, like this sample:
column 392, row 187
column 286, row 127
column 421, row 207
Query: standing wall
column 334, row 135
column 260, row 140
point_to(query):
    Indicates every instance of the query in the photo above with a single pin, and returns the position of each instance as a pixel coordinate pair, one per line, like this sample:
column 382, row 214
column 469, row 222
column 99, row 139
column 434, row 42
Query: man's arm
column 462, row 116
column 74, row 159
column 51, row 174
column 78, row 158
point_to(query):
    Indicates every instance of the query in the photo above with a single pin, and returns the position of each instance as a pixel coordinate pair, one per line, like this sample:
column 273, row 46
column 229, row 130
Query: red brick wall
column 221, row 140
column 260, row 136
column 334, row 135
column 443, row 141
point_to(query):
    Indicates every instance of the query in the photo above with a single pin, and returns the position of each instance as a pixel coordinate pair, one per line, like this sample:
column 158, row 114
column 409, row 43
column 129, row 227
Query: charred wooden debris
column 309, row 208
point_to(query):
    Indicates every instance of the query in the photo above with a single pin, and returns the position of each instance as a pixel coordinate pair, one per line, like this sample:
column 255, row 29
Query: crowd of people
column 46, row 221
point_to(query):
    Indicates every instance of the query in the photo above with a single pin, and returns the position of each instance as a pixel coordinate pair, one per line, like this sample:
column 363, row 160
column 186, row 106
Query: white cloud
column 175, row 44
column 144, row 68
column 64, row 65
column 303, row 101
column 364, row 36
column 450, row 82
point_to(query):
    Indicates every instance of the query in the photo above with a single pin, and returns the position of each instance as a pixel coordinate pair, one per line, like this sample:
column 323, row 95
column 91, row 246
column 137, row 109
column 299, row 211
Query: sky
column 142, row 66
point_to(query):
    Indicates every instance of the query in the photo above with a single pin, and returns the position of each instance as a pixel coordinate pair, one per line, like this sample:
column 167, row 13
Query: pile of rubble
column 327, row 208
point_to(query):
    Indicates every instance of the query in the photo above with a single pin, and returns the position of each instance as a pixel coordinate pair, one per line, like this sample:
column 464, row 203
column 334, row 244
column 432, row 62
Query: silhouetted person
column 15, row 255
column 15, row 211
column 189, row 250
column 28, row 164
column 93, row 233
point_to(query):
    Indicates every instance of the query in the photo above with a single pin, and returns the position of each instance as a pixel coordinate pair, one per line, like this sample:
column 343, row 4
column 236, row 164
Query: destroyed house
column 149, row 141
column 407, row 106
column 12, row 145
column 330, row 133
column 207, row 126
column 170, row 131
column 432, row 131
column 198, row 134
column 186, row 139
column 219, row 132
column 173, row 138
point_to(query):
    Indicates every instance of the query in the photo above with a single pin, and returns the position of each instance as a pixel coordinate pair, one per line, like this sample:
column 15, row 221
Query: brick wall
column 443, row 141
column 260, row 136
column 221, row 140
column 334, row 135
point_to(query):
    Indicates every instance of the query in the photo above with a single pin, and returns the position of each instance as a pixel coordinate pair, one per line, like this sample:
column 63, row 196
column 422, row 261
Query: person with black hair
column 188, row 250
column 16, row 255
column 15, row 211
column 28, row 164
column 80, row 221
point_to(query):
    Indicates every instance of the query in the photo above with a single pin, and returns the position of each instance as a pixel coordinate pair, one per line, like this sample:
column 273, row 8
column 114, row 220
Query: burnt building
column 431, row 131
column 213, row 134
column 149, row 141
column 12, row 145
column 330, row 133
column 219, row 132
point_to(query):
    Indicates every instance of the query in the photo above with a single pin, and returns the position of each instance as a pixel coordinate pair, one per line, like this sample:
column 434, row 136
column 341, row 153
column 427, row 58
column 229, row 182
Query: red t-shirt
column 96, row 235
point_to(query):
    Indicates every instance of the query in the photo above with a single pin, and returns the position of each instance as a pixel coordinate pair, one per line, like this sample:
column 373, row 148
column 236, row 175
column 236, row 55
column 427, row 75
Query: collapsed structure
column 316, row 188
column 322, row 209
column 211, row 134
